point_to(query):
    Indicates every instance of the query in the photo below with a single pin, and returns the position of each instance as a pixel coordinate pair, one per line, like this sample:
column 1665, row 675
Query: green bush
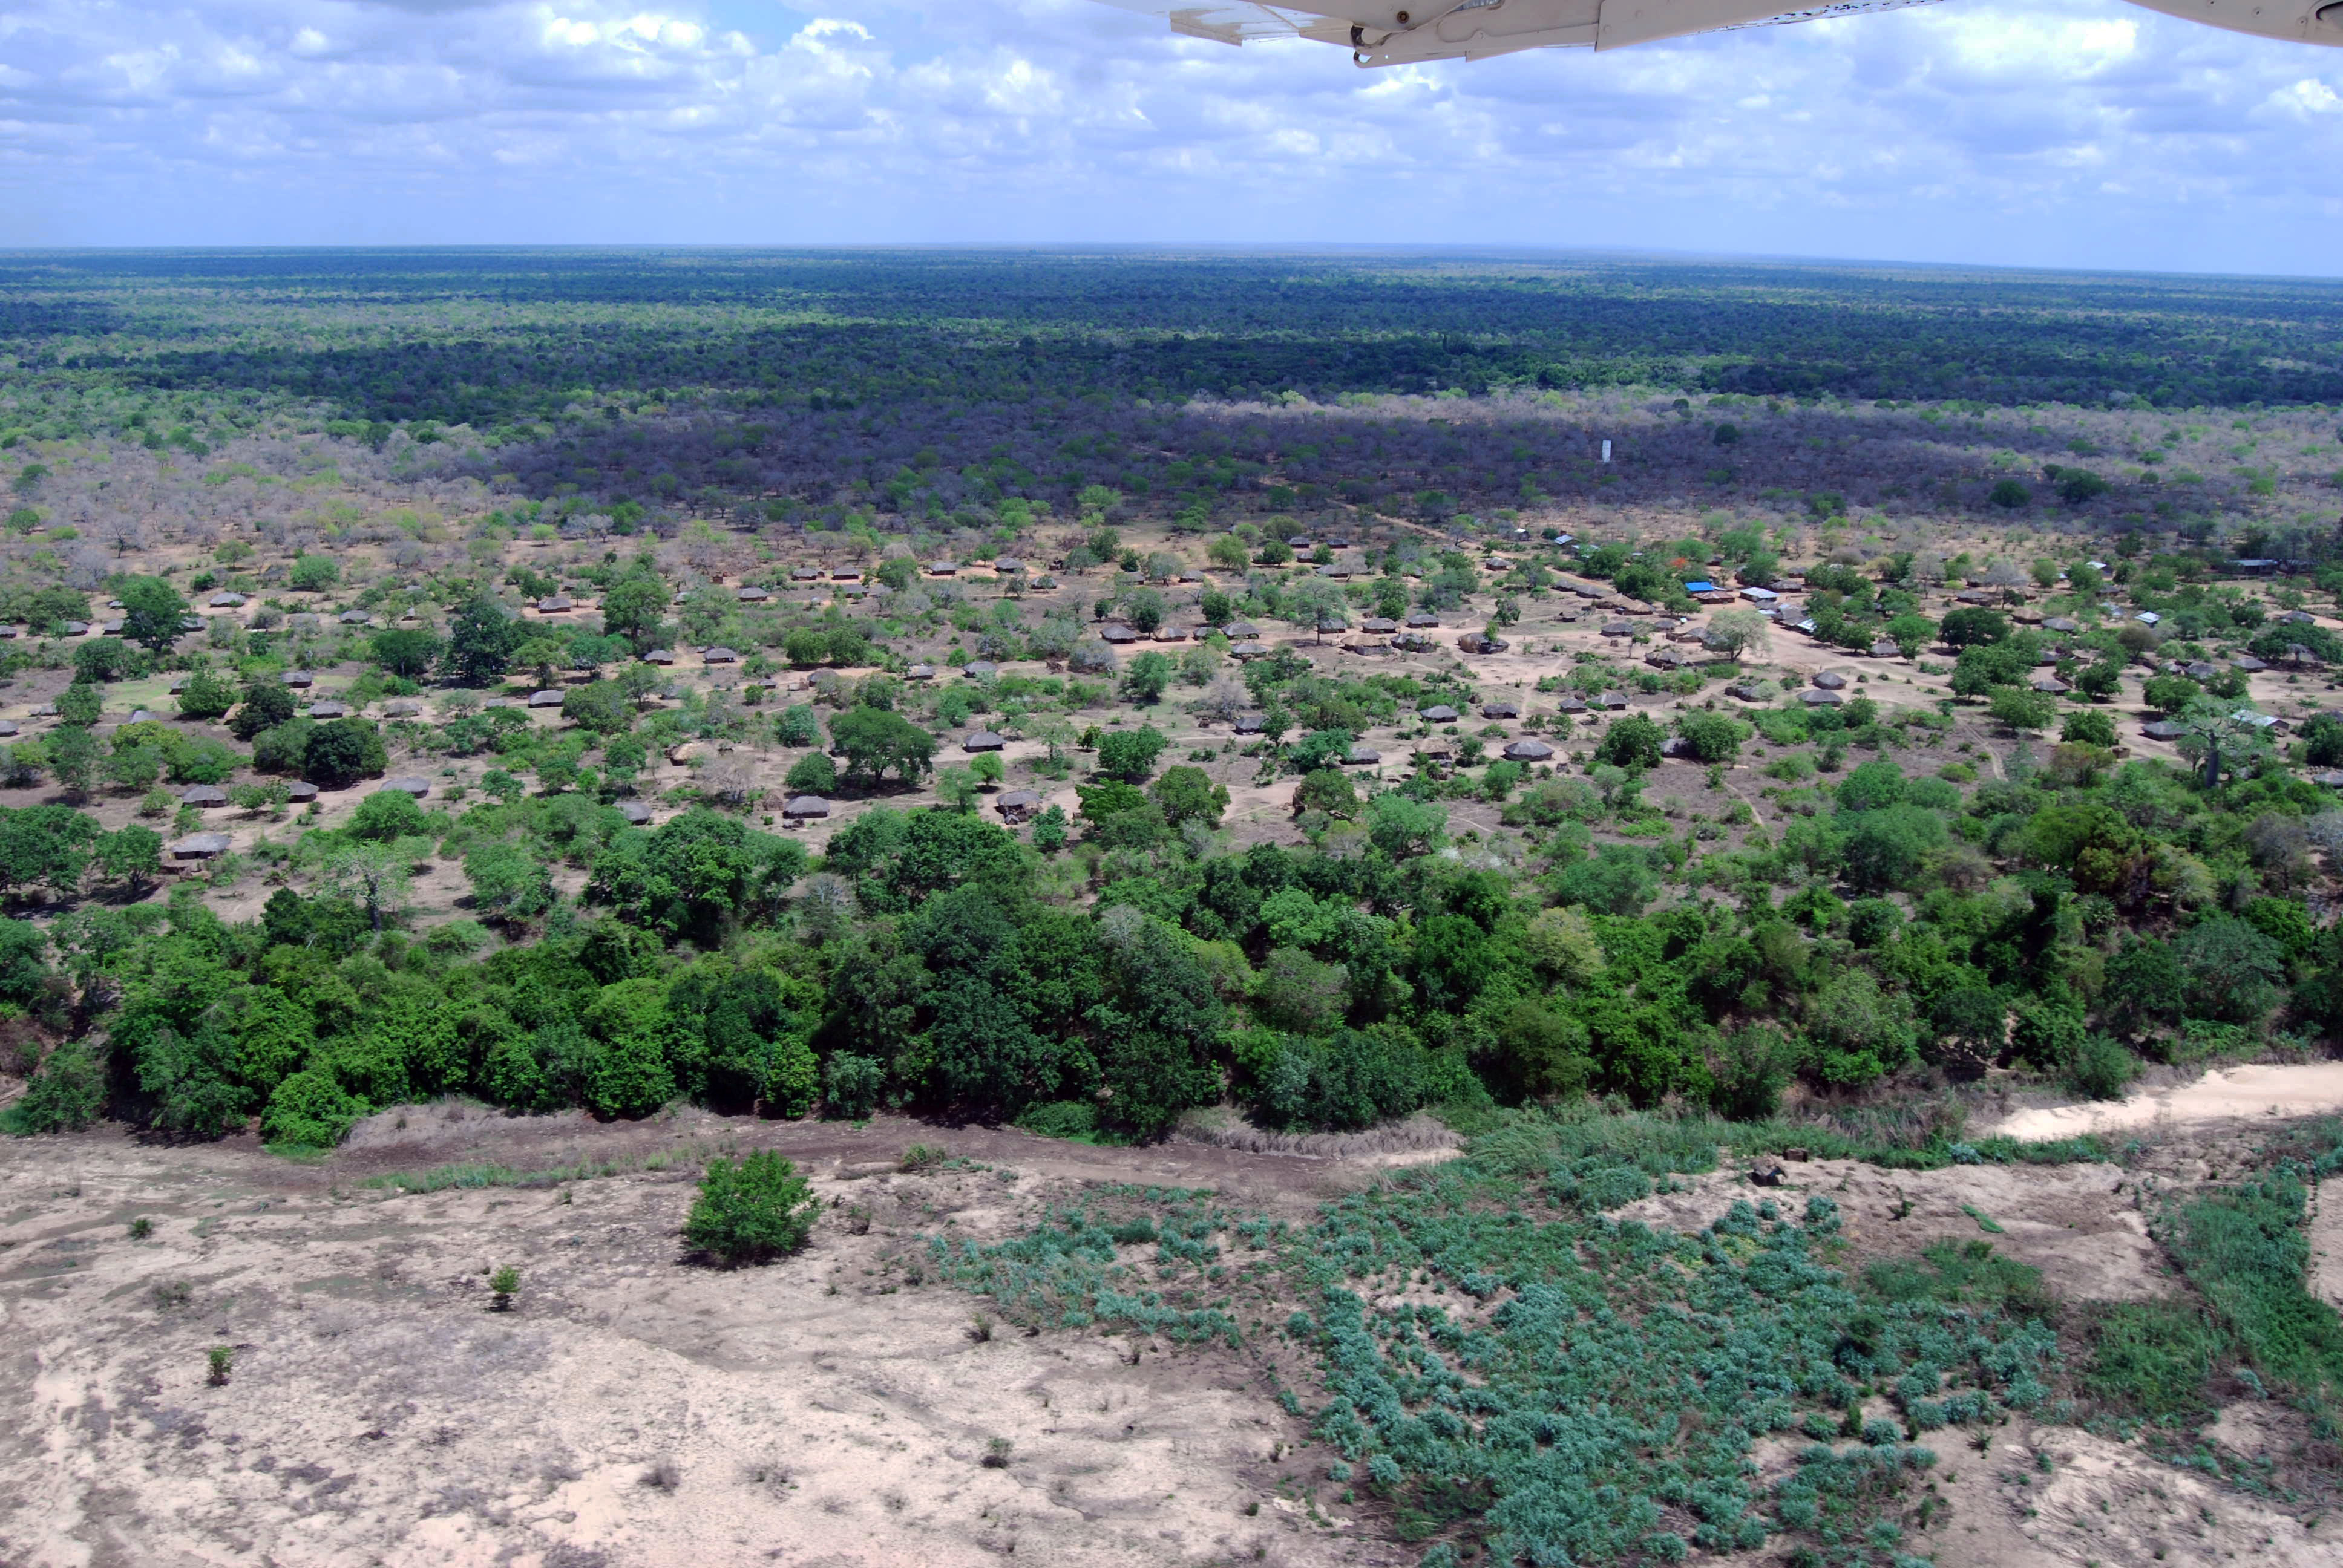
column 796, row 726
column 1631, row 741
column 1071, row 1118
column 206, row 696
column 1129, row 755
column 388, row 815
column 2101, row 1068
column 66, row 1092
column 283, row 748
column 2150, row 1361
column 751, row 1210
column 812, row 774
column 313, row 574
column 80, row 703
column 341, row 752
column 851, row 1085
column 310, row 1110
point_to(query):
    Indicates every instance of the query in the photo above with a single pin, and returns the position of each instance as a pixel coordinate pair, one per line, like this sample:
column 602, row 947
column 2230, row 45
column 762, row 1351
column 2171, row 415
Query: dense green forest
column 485, row 338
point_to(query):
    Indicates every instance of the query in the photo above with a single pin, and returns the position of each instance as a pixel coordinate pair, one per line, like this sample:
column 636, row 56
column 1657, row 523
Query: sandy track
column 2236, row 1094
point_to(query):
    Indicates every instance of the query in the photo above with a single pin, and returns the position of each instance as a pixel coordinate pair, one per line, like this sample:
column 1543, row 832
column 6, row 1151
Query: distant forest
column 492, row 337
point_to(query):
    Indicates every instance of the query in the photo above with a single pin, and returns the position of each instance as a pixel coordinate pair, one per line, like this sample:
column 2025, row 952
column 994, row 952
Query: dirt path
column 2326, row 1243
column 2235, row 1094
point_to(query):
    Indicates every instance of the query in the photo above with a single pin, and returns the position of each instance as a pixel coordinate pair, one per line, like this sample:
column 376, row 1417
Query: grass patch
column 1075, row 1120
column 1517, row 1374
column 1968, row 1273
column 2149, row 1360
column 1922, row 1138
column 2245, row 1250
column 441, row 1178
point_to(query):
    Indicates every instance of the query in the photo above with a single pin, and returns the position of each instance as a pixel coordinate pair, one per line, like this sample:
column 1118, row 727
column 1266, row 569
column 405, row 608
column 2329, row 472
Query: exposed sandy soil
column 2080, row 1224
column 2240, row 1094
column 632, row 1408
column 637, row 1408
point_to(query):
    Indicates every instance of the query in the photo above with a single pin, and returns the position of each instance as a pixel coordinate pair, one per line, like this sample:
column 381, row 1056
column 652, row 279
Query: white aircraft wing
column 1393, row 31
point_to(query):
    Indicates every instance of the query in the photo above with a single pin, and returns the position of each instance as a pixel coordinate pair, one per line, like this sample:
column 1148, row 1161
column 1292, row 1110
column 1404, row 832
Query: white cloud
column 2304, row 99
column 2076, row 132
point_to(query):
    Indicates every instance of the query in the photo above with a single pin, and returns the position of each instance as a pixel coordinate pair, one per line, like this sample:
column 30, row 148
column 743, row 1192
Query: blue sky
column 2076, row 133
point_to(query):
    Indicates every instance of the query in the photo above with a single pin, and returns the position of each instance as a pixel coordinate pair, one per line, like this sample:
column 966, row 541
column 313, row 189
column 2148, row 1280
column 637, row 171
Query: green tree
column 374, row 876
column 103, row 658
column 632, row 606
column 152, row 611
column 797, row 725
column 388, row 815
column 1146, row 677
column 341, row 752
column 405, row 651
column 695, row 874
column 2217, row 731
column 190, row 1079
column 313, row 574
column 2232, row 971
column 2021, row 708
column 1856, row 1031
column 74, row 756
column 480, row 641
column 1327, row 789
column 2087, row 728
column 1631, row 741
column 310, row 1110
column 1142, row 609
column 267, row 704
column 598, row 707
column 66, row 1094
column 2079, row 486
column 81, row 703
column 1740, row 632
column 1885, row 849
column 132, row 855
column 959, row 787
column 812, row 774
column 1711, row 737
column 2010, row 495
column 2169, row 694
column 874, row 741
column 1972, row 626
column 1872, row 786
column 1616, row 879
column 206, row 696
column 751, row 1210
column 1316, row 603
column 507, row 882
column 1911, row 634
column 44, row 846
column 1404, row 829
column 1129, row 754
column 1189, row 795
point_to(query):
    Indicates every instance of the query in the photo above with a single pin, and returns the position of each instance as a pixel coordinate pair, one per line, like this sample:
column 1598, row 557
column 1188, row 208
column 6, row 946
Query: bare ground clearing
column 634, row 1408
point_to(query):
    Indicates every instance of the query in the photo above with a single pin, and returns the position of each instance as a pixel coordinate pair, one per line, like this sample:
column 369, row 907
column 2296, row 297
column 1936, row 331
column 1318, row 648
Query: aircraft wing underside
column 1383, row 33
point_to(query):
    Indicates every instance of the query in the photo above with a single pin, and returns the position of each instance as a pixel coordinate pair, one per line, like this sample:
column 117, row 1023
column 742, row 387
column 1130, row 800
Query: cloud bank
column 2070, row 132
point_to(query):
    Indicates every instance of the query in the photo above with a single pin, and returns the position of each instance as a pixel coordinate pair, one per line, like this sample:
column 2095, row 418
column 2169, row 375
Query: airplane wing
column 1394, row 32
